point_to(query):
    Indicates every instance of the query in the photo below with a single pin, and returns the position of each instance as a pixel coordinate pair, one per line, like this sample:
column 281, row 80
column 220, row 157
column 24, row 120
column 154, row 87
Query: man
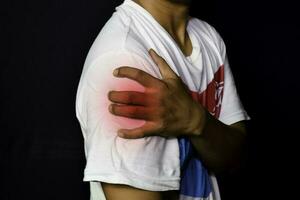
column 157, row 105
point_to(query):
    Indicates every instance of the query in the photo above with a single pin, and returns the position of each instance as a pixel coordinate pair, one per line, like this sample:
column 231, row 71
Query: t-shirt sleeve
column 150, row 163
column 232, row 109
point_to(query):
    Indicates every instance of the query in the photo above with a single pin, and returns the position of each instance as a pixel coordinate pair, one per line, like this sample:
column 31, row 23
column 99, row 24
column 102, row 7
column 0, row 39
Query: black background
column 44, row 44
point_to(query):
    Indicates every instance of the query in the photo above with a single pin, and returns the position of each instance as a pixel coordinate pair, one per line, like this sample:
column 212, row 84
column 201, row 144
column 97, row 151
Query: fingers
column 135, row 112
column 128, row 97
column 165, row 70
column 137, row 75
column 146, row 130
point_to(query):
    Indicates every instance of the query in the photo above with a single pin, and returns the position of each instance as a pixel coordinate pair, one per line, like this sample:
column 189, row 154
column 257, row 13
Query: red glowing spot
column 210, row 98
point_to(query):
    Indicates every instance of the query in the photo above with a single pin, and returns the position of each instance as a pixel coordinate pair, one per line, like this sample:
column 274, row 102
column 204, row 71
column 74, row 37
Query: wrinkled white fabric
column 150, row 163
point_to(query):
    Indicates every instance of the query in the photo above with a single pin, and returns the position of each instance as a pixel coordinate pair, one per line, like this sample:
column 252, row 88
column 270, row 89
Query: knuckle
column 133, row 111
column 129, row 97
column 160, row 125
column 163, row 85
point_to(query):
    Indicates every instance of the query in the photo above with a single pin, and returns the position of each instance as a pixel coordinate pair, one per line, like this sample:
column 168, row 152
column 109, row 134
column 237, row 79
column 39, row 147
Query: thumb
column 163, row 66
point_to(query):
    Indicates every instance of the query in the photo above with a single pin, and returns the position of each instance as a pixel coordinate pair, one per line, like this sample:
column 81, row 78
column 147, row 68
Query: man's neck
column 172, row 16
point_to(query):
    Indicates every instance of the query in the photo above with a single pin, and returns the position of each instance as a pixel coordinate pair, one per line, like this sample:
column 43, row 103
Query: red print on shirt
column 211, row 97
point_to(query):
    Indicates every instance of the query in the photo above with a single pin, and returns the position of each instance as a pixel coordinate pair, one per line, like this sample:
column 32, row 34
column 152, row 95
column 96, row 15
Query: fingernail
column 116, row 72
column 151, row 51
column 120, row 134
column 110, row 108
column 109, row 94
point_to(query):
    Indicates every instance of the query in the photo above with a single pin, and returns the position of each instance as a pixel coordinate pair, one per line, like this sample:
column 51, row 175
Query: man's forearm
column 218, row 145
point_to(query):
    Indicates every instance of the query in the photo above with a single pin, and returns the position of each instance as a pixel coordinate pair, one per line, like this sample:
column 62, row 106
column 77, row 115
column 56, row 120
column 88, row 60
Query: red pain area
column 210, row 98
column 119, row 122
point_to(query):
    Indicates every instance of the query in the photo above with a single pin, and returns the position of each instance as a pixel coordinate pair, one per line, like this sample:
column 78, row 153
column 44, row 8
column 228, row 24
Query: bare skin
column 173, row 17
column 217, row 144
column 124, row 192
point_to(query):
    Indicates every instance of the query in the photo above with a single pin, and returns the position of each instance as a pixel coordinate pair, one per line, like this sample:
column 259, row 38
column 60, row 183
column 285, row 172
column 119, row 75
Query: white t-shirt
column 150, row 163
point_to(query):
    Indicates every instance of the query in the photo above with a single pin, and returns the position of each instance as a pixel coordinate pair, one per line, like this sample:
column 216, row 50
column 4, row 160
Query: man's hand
column 169, row 110
column 166, row 105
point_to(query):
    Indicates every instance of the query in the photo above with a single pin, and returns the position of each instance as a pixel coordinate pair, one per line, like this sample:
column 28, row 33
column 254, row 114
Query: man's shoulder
column 208, row 33
column 117, row 35
column 204, row 27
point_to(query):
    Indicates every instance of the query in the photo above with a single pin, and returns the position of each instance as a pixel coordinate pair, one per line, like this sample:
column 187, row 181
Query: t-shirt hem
column 137, row 182
column 184, row 197
column 235, row 117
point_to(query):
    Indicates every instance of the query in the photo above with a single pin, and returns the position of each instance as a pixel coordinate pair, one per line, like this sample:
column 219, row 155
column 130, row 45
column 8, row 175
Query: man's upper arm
column 232, row 109
column 241, row 126
column 111, row 159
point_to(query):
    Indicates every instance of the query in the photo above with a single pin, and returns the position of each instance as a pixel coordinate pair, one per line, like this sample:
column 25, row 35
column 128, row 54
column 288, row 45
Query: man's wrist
column 198, row 120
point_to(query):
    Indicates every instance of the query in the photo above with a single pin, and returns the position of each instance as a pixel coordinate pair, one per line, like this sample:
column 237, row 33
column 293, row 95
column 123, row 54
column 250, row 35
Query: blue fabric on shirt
column 195, row 180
